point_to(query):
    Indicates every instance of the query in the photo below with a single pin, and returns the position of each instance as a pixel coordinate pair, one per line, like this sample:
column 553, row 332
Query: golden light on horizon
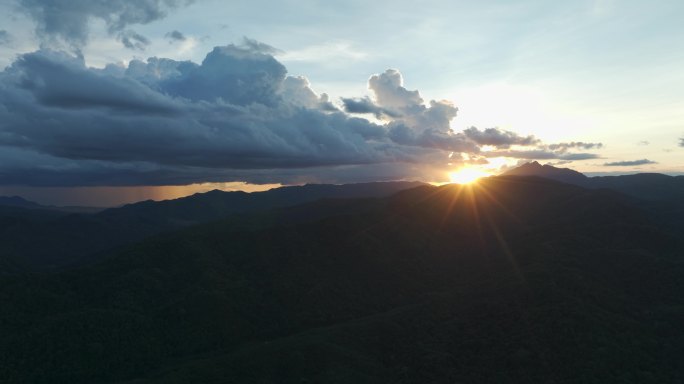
column 467, row 175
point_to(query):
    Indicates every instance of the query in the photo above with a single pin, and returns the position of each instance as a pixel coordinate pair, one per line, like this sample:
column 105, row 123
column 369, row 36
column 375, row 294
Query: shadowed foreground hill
column 518, row 280
column 46, row 240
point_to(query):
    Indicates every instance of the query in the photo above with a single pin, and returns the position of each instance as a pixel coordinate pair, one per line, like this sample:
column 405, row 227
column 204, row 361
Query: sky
column 107, row 102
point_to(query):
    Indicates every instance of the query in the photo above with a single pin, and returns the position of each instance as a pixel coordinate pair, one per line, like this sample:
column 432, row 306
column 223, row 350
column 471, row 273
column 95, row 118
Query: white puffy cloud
column 390, row 93
column 406, row 107
column 297, row 90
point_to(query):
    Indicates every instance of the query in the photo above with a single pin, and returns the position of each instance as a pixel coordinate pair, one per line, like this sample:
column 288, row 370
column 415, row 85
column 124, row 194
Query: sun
column 466, row 175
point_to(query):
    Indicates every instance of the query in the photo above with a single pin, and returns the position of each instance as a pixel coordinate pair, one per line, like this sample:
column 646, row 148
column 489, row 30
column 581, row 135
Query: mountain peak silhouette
column 533, row 168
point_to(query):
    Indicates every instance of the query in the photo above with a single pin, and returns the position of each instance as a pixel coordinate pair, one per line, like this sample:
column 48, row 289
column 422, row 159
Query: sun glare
column 466, row 175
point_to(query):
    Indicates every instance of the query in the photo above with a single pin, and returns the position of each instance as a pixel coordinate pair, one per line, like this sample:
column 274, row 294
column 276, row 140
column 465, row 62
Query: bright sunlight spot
column 466, row 175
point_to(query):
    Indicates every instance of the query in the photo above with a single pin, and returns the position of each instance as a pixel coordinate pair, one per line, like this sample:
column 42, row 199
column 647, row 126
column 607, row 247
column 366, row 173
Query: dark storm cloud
column 498, row 137
column 68, row 19
column 117, row 119
column 237, row 116
column 237, row 75
column 176, row 36
column 26, row 167
column 5, row 37
column 56, row 79
column 629, row 163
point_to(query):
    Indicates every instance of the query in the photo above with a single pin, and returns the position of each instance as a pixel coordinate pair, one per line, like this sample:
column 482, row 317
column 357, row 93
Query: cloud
column 533, row 149
column 681, row 142
column 577, row 156
column 643, row 143
column 133, row 40
column 629, row 163
column 236, row 116
column 409, row 121
column 564, row 147
column 176, row 35
column 258, row 46
column 363, row 105
column 499, row 138
column 172, row 121
column 238, row 75
column 541, row 154
column 68, row 20
column 297, row 90
column 560, row 162
column 49, row 77
column 390, row 93
column 5, row 37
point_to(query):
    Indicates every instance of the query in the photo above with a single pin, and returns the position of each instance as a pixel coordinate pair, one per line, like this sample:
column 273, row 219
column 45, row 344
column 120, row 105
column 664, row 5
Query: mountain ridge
column 469, row 283
column 535, row 169
column 53, row 241
column 646, row 186
column 18, row 201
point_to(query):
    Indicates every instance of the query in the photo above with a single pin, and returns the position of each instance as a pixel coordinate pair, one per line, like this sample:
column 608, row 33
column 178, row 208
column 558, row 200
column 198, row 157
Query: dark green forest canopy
column 512, row 279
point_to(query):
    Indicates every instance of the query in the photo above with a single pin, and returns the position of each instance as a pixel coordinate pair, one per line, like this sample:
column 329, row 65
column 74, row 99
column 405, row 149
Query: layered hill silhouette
column 34, row 237
column 7, row 202
column 513, row 279
column 17, row 201
column 655, row 192
column 647, row 186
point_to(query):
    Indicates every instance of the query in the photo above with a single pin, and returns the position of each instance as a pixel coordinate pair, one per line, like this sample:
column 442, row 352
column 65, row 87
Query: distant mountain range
column 16, row 201
column 515, row 279
column 647, row 186
column 36, row 237
column 663, row 195
column 20, row 202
